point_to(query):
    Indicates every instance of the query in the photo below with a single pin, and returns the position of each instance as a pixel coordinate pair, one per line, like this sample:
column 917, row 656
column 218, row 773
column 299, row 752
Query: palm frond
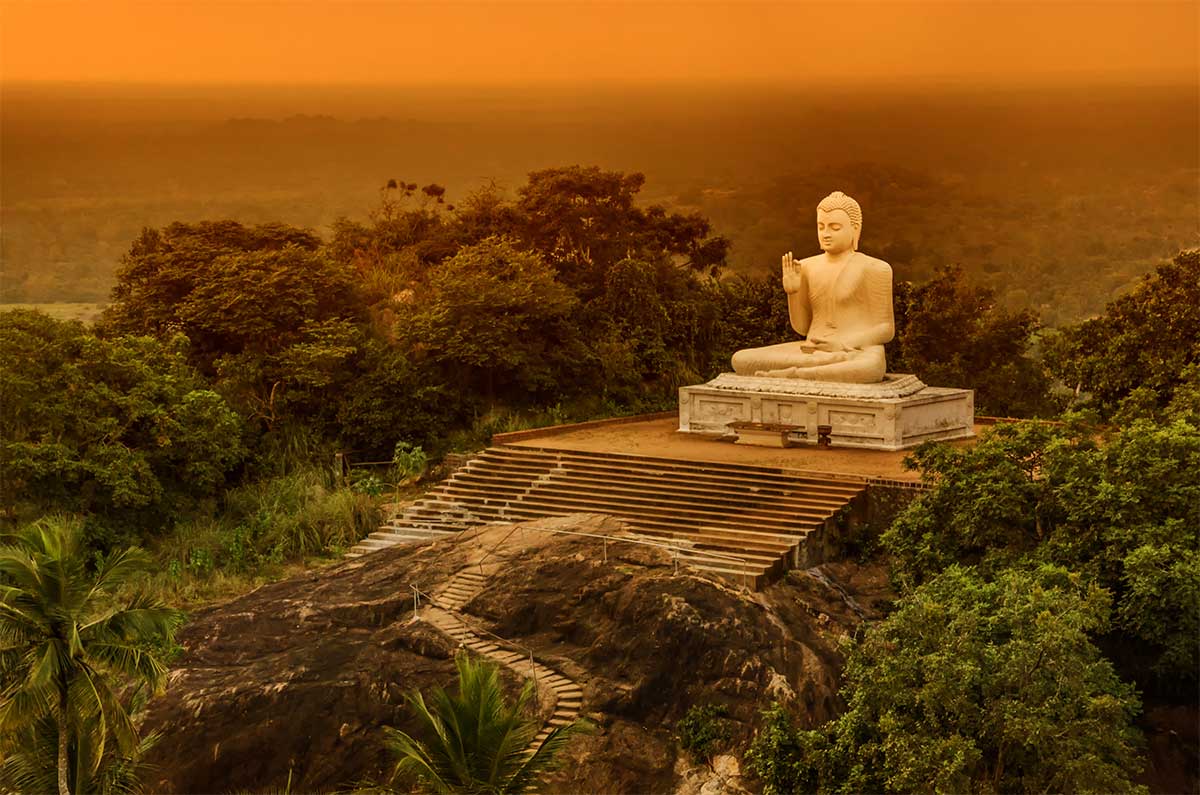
column 20, row 569
column 28, row 761
column 473, row 740
column 118, row 568
column 544, row 758
column 23, row 705
column 53, row 661
column 413, row 759
column 144, row 620
column 129, row 661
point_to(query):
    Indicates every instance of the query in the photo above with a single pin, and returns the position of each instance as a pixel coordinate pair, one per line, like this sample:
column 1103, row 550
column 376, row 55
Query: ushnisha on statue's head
column 831, row 231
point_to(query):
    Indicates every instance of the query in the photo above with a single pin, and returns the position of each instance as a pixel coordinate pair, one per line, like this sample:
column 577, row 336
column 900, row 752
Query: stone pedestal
column 894, row 414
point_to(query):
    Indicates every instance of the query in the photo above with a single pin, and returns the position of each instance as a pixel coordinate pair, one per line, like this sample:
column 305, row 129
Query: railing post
column 675, row 560
column 606, row 549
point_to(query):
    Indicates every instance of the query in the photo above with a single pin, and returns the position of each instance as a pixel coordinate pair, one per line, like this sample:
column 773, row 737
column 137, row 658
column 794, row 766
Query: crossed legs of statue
column 791, row 360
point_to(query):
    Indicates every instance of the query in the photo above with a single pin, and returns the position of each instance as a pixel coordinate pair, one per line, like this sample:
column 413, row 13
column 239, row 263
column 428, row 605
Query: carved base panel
column 877, row 423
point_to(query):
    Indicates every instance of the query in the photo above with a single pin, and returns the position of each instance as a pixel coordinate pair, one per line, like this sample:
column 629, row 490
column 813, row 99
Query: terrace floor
column 661, row 438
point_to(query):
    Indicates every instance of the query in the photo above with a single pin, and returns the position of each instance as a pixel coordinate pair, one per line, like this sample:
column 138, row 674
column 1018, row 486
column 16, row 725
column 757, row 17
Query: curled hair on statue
column 840, row 201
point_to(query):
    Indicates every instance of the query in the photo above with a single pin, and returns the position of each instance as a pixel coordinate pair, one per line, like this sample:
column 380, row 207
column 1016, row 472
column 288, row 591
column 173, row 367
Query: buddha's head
column 839, row 223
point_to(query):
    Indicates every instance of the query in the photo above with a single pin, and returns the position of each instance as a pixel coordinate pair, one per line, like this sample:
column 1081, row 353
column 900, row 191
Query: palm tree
column 474, row 741
column 67, row 642
column 28, row 760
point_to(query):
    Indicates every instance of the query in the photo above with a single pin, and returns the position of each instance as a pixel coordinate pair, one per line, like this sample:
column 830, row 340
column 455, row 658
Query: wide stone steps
column 396, row 532
column 744, row 522
column 692, row 543
column 575, row 485
column 486, row 501
column 550, row 501
column 754, row 479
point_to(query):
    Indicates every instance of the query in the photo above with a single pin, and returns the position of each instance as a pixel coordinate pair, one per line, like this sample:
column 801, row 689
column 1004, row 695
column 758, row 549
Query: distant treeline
column 1057, row 202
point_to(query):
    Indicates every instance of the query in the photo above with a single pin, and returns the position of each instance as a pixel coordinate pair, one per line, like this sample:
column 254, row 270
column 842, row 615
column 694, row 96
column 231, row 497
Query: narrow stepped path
column 445, row 614
column 747, row 523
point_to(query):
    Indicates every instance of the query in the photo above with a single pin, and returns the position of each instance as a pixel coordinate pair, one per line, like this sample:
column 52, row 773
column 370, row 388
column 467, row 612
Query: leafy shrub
column 409, row 462
column 703, row 731
column 299, row 515
column 971, row 686
column 367, row 484
column 119, row 429
column 1122, row 510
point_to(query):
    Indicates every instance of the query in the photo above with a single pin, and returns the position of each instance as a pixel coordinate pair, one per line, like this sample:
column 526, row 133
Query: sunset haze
column 510, row 42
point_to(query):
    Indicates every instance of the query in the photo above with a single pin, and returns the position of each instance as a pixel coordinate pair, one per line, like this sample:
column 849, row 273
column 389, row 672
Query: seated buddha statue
column 840, row 301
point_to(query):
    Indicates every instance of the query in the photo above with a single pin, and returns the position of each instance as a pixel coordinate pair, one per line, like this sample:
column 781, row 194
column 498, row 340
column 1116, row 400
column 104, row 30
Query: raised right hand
column 793, row 279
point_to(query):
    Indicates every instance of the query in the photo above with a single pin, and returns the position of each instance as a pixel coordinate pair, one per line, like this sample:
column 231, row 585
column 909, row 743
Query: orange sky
column 344, row 41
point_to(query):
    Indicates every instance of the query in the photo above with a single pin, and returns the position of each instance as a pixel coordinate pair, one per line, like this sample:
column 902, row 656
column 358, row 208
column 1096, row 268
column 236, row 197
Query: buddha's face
column 834, row 231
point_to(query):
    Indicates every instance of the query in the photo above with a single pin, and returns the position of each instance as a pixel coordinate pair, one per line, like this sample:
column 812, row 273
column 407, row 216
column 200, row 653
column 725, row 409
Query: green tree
column 498, row 322
column 1124, row 510
column 1146, row 340
column 267, row 314
column 474, row 741
column 585, row 220
column 68, row 642
column 29, row 760
column 971, row 686
column 952, row 333
column 401, row 242
column 229, row 289
column 120, row 428
column 163, row 267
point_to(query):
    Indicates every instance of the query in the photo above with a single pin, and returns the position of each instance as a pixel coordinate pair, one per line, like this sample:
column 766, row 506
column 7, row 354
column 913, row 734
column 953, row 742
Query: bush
column 971, row 686
column 122, row 430
column 1122, row 510
column 703, row 731
column 265, row 523
column 408, row 462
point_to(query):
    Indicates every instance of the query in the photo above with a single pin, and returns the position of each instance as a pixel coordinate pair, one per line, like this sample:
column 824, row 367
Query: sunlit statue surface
column 840, row 300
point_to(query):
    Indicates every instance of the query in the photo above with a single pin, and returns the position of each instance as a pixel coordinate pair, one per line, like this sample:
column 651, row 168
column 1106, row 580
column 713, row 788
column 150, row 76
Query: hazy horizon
column 1062, row 134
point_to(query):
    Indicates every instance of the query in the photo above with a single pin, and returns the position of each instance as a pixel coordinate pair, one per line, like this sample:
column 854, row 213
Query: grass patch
column 269, row 529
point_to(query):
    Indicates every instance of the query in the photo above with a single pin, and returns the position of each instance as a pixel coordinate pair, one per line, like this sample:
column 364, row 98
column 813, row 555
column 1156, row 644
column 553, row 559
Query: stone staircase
column 445, row 614
column 417, row 524
column 745, row 522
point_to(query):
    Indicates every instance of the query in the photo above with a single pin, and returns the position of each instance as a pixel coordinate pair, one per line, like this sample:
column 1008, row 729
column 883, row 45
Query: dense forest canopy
column 1033, row 193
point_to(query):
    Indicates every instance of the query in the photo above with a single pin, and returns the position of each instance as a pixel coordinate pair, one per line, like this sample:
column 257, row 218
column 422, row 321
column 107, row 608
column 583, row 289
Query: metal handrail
column 516, row 526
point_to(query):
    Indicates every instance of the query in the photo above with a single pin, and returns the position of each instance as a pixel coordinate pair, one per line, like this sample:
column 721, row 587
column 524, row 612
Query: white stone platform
column 896, row 413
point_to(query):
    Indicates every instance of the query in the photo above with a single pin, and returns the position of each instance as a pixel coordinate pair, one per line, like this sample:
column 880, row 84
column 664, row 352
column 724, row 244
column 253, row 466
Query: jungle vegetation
column 200, row 416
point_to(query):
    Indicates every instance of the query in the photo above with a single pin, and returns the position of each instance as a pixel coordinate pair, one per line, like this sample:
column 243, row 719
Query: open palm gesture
column 793, row 277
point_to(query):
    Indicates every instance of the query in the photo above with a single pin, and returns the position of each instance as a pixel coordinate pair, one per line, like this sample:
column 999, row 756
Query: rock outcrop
column 298, row 677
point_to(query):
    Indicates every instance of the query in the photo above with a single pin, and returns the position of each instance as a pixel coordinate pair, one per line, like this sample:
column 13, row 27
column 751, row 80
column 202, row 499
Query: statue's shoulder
column 813, row 260
column 874, row 266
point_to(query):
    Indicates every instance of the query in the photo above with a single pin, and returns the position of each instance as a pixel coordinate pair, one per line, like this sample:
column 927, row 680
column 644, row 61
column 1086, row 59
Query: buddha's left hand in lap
column 814, row 344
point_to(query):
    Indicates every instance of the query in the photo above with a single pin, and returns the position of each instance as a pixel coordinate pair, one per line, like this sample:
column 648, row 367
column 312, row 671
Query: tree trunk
column 63, row 789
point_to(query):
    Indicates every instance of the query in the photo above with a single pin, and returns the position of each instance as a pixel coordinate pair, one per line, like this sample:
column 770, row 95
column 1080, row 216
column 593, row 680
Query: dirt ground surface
column 662, row 439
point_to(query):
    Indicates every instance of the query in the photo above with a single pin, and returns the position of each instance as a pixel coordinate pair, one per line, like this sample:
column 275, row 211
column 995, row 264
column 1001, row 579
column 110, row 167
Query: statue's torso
column 839, row 294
